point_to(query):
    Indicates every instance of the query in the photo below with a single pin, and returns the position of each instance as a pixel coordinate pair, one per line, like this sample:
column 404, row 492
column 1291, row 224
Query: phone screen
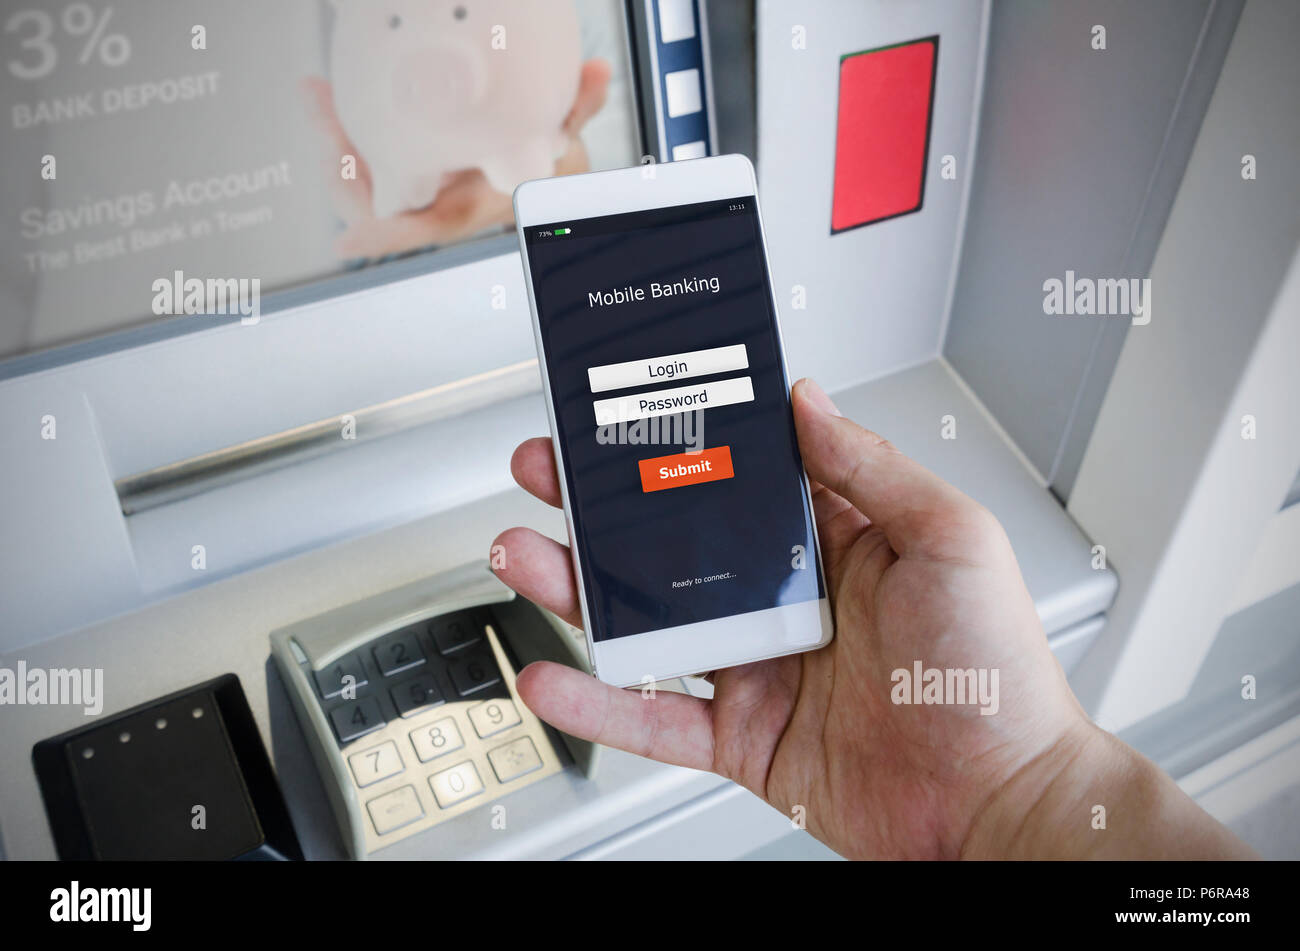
column 671, row 402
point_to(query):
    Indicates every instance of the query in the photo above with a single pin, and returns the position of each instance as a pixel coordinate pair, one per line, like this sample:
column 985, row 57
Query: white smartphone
column 690, row 519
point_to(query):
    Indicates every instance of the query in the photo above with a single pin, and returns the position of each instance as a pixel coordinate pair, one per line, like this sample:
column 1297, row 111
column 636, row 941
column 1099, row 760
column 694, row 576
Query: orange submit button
column 686, row 468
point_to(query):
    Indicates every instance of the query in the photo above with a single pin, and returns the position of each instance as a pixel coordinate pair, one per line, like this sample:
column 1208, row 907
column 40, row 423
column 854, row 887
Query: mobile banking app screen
column 682, row 466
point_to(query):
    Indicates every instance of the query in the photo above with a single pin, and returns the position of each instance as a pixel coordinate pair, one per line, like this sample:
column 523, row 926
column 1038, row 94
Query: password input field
column 681, row 399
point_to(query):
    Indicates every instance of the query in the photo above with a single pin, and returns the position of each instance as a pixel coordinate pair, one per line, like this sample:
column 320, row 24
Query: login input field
column 674, row 366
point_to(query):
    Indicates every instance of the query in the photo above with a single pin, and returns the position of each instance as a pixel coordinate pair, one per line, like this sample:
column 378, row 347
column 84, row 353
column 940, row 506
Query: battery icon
column 562, row 230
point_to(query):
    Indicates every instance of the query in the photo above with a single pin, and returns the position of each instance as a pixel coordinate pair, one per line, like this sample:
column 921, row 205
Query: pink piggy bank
column 428, row 87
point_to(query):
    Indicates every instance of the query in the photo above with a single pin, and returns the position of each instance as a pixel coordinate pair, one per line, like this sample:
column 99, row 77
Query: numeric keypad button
column 372, row 765
column 515, row 759
column 413, row 697
column 436, row 739
column 493, row 717
column 393, row 810
column 474, row 673
column 455, row 632
column 344, row 673
column 358, row 718
column 397, row 654
column 456, row 784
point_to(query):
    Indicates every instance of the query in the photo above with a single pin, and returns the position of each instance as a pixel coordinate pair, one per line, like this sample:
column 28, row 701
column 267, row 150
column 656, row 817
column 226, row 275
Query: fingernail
column 817, row 396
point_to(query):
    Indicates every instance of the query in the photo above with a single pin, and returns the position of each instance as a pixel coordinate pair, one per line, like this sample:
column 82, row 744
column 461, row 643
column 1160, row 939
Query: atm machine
column 303, row 492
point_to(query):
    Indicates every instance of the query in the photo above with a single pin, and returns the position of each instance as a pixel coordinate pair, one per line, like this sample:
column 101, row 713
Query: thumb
column 913, row 507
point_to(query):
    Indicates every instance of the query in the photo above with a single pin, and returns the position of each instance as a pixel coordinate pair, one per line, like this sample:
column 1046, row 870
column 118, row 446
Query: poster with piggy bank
column 281, row 142
column 421, row 94
column 447, row 105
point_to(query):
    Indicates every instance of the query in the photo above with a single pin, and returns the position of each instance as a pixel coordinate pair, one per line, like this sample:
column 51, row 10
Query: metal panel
column 865, row 302
column 731, row 48
column 1169, row 485
column 1080, row 154
column 223, row 627
column 1214, row 718
column 1055, row 557
column 1293, row 493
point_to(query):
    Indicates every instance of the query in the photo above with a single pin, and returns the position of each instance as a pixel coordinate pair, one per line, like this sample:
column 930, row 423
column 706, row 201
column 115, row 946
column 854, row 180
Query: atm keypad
column 428, row 722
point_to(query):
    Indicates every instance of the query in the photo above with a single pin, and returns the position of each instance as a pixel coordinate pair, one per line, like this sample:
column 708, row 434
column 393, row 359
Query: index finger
column 921, row 514
column 672, row 728
column 533, row 466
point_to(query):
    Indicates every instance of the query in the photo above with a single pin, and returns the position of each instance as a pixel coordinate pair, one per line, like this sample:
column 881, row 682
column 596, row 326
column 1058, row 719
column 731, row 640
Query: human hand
column 465, row 204
column 917, row 571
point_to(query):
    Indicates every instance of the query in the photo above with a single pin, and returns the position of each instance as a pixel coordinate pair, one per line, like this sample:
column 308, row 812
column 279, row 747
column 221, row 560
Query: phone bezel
column 703, row 646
